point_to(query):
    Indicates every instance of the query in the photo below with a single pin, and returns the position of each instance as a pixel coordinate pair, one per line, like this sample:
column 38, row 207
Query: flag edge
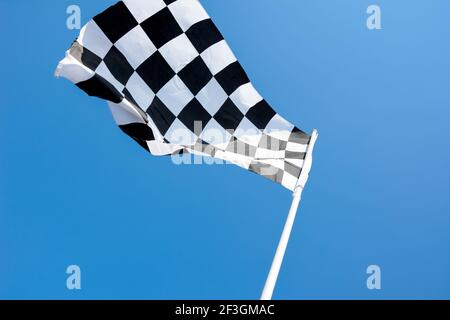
column 307, row 164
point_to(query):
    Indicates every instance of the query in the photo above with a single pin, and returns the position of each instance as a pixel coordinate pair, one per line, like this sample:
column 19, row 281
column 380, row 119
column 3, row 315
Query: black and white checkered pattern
column 173, row 85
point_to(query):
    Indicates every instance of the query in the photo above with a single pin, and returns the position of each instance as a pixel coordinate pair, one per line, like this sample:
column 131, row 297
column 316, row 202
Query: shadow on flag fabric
column 174, row 85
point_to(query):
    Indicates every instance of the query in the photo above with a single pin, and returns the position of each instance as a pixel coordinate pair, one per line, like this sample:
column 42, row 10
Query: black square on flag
column 116, row 21
column 161, row 27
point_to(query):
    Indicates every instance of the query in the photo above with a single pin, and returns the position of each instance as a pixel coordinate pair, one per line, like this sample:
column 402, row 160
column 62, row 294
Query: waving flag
column 174, row 85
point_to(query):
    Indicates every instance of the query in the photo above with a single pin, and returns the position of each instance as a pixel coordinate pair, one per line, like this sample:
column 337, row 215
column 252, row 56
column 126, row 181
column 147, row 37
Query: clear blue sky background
column 75, row 190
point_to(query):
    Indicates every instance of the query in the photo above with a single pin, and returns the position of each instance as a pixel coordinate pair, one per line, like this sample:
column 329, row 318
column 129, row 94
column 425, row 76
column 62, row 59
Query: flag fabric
column 174, row 85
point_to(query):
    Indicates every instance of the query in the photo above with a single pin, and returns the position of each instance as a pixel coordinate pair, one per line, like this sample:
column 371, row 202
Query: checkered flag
column 173, row 85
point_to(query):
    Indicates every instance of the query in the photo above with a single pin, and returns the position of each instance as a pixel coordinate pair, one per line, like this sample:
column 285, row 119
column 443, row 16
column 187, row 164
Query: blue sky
column 75, row 190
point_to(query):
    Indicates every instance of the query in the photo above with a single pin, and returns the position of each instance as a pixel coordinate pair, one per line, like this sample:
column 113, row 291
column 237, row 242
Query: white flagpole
column 282, row 245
